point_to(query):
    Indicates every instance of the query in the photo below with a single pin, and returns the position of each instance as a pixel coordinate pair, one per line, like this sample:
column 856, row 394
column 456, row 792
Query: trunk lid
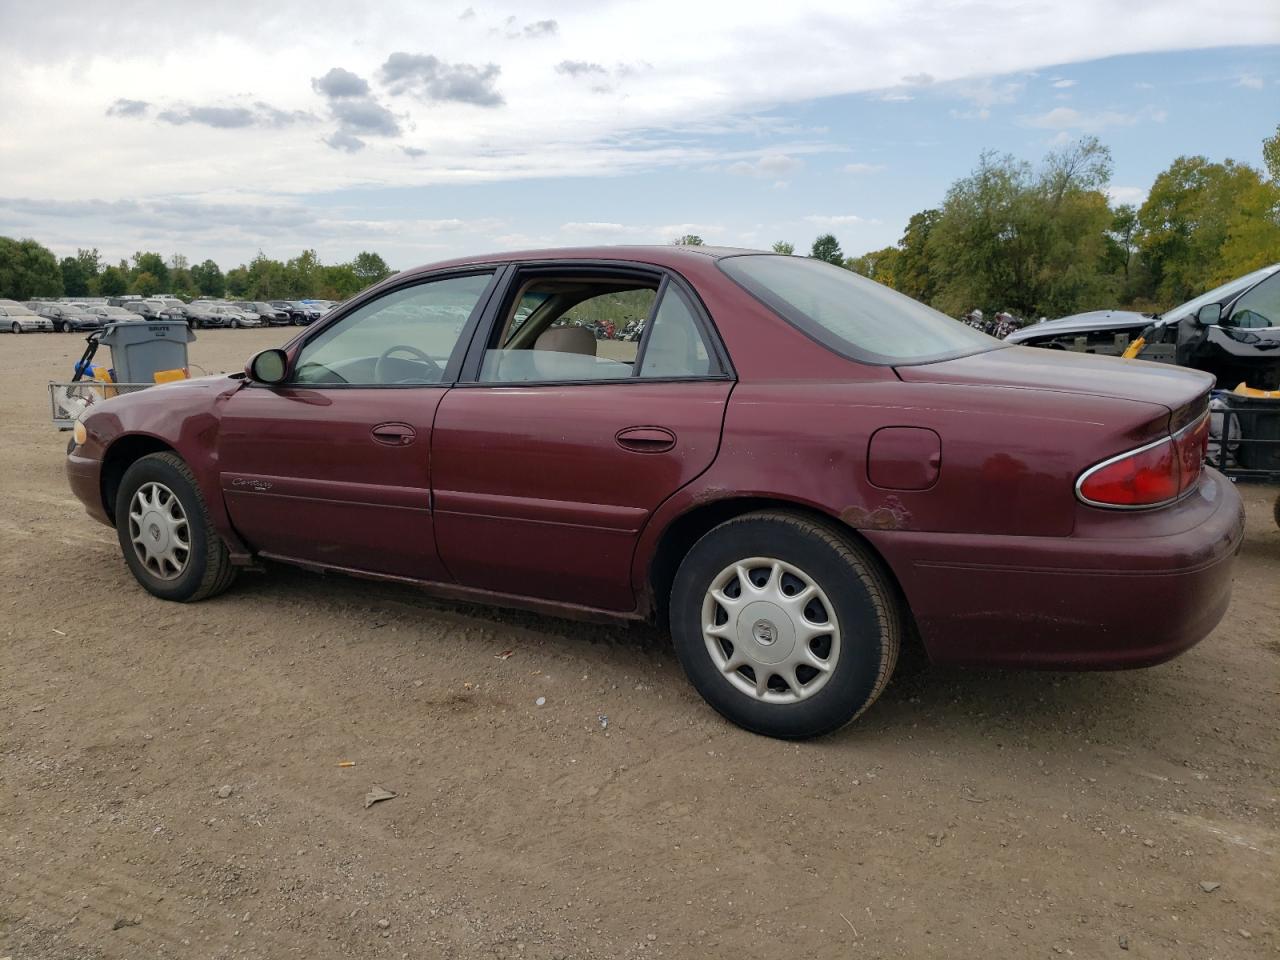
column 1183, row 392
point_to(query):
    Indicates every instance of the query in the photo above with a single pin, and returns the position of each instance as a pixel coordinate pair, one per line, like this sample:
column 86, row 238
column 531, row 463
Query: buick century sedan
column 797, row 469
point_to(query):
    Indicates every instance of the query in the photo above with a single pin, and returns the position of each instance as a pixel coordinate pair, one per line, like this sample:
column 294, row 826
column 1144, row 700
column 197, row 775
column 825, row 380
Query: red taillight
column 1192, row 443
column 1150, row 475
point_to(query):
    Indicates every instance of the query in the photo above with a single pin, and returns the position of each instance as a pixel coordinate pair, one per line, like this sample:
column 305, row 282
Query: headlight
column 79, row 433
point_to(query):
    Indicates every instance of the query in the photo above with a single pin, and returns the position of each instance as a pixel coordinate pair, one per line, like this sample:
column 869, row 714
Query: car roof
column 660, row 255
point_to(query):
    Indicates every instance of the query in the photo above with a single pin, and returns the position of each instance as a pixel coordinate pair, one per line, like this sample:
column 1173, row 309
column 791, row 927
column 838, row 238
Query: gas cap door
column 904, row 458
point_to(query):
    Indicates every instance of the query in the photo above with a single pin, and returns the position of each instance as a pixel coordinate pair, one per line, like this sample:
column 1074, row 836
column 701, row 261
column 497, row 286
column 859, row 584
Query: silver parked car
column 16, row 318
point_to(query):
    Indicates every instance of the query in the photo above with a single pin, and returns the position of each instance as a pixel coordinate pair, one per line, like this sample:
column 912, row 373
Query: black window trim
column 496, row 271
column 469, row 376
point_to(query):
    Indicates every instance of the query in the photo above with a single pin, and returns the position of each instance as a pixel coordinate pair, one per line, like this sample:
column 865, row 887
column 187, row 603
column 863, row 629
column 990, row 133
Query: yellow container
column 168, row 376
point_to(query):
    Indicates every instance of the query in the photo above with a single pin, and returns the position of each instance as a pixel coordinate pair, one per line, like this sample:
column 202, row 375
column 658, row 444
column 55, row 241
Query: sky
column 425, row 130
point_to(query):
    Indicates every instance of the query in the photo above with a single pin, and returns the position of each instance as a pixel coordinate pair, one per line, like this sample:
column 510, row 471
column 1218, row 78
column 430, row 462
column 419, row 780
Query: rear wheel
column 164, row 531
column 786, row 626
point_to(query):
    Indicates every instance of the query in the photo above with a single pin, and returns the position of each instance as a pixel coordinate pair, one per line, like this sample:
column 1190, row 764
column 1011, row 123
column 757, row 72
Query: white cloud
column 466, row 123
column 1133, row 195
column 837, row 220
column 593, row 227
column 1251, row 81
column 1068, row 119
column 769, row 165
column 863, row 167
column 1062, row 83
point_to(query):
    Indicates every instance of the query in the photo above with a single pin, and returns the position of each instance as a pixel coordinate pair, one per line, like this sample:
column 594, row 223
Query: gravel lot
column 170, row 782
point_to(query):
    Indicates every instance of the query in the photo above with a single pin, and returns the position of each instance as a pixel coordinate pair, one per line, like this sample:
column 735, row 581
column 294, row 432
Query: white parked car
column 16, row 318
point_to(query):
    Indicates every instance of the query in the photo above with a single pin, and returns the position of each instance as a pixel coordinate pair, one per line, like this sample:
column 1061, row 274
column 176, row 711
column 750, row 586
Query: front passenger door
column 549, row 463
column 334, row 466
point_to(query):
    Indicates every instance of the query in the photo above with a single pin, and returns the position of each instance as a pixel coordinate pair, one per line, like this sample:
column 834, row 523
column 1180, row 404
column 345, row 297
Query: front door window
column 404, row 337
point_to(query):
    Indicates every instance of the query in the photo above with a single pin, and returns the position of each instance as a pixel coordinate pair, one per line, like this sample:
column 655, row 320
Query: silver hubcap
column 159, row 531
column 770, row 630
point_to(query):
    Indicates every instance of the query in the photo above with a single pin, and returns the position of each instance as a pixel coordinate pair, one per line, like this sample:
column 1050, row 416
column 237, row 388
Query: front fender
column 185, row 417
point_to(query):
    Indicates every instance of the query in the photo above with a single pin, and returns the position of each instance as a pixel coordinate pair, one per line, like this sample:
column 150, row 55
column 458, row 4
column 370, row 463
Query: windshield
column 1218, row 294
column 856, row 317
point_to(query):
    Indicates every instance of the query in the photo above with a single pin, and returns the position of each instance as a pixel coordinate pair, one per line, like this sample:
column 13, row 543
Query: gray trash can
column 140, row 349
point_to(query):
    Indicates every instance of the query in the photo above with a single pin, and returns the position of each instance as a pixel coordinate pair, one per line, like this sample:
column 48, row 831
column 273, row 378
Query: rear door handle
column 394, row 434
column 646, row 439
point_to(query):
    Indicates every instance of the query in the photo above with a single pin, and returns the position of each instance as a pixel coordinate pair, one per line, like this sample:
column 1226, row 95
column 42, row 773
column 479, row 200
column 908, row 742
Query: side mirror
column 1210, row 315
column 269, row 366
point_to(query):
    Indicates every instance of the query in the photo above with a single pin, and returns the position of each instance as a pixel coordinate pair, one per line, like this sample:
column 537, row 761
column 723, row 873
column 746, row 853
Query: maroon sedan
column 795, row 467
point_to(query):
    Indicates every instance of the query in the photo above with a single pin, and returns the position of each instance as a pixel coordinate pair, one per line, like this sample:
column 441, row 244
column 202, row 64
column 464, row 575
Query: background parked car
column 66, row 317
column 299, row 314
column 153, row 310
column 1241, row 344
column 235, row 317
column 110, row 314
column 201, row 313
column 267, row 312
column 16, row 318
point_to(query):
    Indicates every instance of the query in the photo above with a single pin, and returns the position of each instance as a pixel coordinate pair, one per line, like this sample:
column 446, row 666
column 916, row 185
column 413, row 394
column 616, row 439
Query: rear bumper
column 1117, row 594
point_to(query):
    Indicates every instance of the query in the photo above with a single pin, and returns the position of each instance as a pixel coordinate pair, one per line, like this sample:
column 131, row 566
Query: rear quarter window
column 851, row 315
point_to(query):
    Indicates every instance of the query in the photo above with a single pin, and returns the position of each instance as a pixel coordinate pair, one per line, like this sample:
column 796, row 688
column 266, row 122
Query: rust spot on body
column 890, row 515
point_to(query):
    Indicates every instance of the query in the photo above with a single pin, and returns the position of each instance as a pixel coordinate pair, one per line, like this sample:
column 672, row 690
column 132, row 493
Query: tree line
column 1048, row 241
column 28, row 269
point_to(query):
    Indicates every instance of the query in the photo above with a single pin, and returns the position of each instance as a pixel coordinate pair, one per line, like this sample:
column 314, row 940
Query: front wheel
column 16, row 328
column 164, row 531
column 786, row 626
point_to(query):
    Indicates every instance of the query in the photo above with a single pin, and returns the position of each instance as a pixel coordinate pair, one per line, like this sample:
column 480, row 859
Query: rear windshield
column 852, row 315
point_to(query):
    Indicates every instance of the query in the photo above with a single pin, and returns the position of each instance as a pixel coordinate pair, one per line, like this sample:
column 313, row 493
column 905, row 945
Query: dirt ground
column 170, row 779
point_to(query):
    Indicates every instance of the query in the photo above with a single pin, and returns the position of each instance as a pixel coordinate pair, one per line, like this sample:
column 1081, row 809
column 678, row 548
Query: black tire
column 208, row 570
column 16, row 328
column 863, row 601
column 1276, row 511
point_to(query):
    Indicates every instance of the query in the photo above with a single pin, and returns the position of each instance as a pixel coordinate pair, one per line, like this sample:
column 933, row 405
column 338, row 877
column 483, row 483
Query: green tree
column 208, row 279
column 912, row 273
column 1187, row 218
column 1253, row 232
column 112, row 282
column 268, row 279
column 153, row 264
column 878, row 265
column 784, row 248
column 28, row 269
column 339, row 281
column 688, row 240
column 370, row 267
column 1011, row 237
column 145, row 284
column 827, row 247
column 1271, row 155
column 302, row 275
column 238, row 281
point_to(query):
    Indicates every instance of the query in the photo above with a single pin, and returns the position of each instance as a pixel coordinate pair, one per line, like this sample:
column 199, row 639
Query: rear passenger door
column 549, row 461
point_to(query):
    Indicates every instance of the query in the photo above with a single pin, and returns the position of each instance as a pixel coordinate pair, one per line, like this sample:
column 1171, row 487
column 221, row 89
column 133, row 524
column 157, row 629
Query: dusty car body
column 794, row 468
